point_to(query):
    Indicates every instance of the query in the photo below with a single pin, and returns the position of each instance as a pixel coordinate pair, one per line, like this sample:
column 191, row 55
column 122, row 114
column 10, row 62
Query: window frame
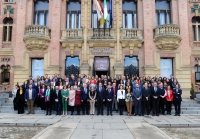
column 70, row 18
column 7, row 30
column 196, row 30
column 197, row 72
column 165, row 11
column 133, row 19
column 36, row 15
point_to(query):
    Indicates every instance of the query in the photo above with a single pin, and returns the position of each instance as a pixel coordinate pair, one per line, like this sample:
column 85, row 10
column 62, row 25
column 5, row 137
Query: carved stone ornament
column 167, row 37
column 36, row 44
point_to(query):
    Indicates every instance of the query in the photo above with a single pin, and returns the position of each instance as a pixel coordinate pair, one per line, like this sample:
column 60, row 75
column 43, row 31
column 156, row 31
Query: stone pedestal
column 51, row 70
column 85, row 68
column 151, row 71
column 119, row 69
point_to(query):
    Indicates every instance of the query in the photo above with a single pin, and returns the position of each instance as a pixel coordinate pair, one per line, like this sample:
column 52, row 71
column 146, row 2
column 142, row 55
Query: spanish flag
column 98, row 6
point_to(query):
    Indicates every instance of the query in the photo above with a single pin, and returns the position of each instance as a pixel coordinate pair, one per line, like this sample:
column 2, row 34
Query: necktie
column 85, row 91
column 100, row 89
column 155, row 89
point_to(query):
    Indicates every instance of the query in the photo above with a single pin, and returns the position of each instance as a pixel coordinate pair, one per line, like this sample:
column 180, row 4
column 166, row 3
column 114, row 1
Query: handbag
column 47, row 98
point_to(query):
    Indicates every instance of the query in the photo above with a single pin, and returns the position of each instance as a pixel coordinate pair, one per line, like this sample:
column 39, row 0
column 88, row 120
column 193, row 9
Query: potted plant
column 192, row 91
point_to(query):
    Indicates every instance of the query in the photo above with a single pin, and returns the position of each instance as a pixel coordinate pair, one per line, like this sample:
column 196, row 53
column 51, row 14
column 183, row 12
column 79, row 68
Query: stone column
column 118, row 67
column 85, row 67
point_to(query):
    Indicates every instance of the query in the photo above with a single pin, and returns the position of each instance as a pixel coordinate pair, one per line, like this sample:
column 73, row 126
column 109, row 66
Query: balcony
column 194, row 1
column 131, row 37
column 167, row 37
column 101, row 36
column 71, row 37
column 37, row 37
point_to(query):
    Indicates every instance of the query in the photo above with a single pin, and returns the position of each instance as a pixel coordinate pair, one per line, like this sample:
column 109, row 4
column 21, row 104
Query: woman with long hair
column 48, row 100
column 72, row 99
column 20, row 100
column 64, row 96
column 42, row 99
column 92, row 98
column 121, row 98
column 78, row 100
column 169, row 99
column 129, row 101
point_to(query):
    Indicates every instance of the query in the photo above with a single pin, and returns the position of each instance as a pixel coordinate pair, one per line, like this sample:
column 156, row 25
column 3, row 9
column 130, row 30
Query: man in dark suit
column 162, row 99
column 137, row 100
column 171, row 80
column 109, row 99
column 177, row 100
column 84, row 99
column 115, row 104
column 30, row 96
column 57, row 100
column 100, row 98
column 146, row 92
column 155, row 92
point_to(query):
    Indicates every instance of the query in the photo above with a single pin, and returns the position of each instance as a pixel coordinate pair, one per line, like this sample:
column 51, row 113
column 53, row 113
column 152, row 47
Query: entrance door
column 101, row 66
column 99, row 73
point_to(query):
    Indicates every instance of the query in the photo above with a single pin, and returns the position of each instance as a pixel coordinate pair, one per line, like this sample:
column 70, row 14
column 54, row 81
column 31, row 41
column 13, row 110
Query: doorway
column 101, row 66
column 99, row 73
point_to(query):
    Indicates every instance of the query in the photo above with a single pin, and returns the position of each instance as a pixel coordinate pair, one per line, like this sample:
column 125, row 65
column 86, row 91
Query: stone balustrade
column 36, row 37
column 167, row 36
column 37, row 31
column 72, row 34
column 194, row 1
column 131, row 33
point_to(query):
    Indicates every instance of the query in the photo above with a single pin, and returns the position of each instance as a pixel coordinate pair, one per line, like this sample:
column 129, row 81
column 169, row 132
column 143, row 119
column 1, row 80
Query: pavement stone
column 87, row 134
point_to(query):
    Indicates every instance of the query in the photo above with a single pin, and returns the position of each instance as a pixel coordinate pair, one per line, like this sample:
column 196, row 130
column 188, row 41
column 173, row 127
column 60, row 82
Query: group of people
column 136, row 95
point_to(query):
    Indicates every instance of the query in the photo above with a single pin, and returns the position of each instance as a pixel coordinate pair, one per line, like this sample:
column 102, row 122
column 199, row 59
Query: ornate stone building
column 146, row 37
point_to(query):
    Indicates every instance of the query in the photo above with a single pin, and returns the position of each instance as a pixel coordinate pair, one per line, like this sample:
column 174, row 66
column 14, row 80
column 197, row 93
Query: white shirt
column 120, row 95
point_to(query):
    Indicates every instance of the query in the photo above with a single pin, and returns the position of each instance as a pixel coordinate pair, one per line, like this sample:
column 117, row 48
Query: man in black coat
column 177, row 100
column 155, row 92
column 100, row 98
column 162, row 99
column 85, row 99
column 57, row 100
column 146, row 92
column 109, row 99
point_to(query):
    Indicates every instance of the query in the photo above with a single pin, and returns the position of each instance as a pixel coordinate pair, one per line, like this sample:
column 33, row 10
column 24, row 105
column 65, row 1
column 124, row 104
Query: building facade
column 146, row 38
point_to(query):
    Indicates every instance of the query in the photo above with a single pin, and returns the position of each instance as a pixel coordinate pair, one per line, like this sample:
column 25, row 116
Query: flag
column 105, row 10
column 110, row 9
column 98, row 8
column 102, row 20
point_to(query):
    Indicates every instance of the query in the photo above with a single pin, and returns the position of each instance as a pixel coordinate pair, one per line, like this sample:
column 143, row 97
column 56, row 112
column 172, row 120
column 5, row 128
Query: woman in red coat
column 78, row 100
column 169, row 98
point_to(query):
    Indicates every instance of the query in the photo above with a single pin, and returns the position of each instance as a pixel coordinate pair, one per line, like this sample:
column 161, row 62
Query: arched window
column 197, row 73
column 196, row 28
column 7, row 29
column 5, row 72
column 41, row 10
column 163, row 12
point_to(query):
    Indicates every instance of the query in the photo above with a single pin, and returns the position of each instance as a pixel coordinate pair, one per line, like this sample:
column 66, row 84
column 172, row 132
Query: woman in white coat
column 72, row 99
column 121, row 98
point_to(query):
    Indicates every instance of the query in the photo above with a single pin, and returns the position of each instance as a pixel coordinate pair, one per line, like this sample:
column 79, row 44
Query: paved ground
column 19, row 132
column 183, row 133
column 103, row 127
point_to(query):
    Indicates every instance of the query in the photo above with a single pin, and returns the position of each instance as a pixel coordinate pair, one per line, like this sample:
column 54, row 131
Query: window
column 7, row 29
column 95, row 22
column 41, row 12
column 163, row 15
column 129, row 17
column 5, row 73
column 131, row 66
column 72, row 66
column 37, row 67
column 9, row 0
column 197, row 73
column 196, row 28
column 73, row 14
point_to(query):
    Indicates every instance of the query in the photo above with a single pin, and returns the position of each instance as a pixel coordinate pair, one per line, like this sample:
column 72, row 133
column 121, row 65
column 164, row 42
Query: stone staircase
column 188, row 106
